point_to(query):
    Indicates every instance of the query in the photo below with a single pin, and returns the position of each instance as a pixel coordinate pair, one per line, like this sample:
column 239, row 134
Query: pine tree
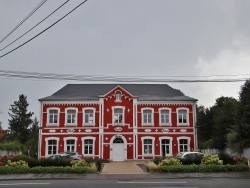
column 20, row 122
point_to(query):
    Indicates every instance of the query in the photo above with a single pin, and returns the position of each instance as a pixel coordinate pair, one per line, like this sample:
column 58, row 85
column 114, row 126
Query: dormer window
column 118, row 96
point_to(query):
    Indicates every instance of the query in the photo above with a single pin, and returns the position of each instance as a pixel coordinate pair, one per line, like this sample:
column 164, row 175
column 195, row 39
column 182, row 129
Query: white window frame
column 118, row 96
column 66, row 117
column 185, row 138
column 153, row 146
column 170, row 145
column 83, row 146
column 84, row 113
column 152, row 117
column 113, row 115
column 169, row 123
column 70, row 138
column 46, row 146
column 187, row 118
column 48, row 117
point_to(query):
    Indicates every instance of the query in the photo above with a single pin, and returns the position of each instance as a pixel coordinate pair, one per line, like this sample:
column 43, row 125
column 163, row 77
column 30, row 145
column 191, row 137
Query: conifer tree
column 20, row 121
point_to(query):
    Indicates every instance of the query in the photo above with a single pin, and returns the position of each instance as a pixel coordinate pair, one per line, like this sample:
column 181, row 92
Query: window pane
column 89, row 116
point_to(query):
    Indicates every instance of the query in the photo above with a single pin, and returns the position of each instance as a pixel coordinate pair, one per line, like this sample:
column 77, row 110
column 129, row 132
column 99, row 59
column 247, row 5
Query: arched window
column 118, row 140
column 118, row 96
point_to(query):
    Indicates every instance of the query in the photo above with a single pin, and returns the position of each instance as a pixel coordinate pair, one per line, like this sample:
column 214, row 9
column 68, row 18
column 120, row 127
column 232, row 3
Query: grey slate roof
column 144, row 92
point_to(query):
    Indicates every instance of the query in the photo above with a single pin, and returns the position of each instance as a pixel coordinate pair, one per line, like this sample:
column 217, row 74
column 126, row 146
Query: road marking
column 131, row 182
column 24, row 184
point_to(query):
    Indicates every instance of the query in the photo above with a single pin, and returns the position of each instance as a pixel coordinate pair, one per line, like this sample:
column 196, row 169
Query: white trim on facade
column 186, row 138
column 187, row 117
column 169, row 116
column 152, row 117
column 66, row 117
column 46, row 144
column 90, row 138
column 83, row 116
column 153, row 146
column 170, row 144
column 69, row 138
column 48, row 116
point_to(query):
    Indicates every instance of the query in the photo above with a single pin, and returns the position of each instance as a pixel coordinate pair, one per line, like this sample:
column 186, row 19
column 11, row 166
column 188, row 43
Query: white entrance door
column 118, row 152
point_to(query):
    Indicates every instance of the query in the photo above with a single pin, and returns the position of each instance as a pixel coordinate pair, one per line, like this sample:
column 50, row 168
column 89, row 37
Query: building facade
column 117, row 122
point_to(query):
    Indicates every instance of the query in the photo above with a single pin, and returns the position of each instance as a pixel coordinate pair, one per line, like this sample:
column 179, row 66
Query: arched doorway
column 118, row 149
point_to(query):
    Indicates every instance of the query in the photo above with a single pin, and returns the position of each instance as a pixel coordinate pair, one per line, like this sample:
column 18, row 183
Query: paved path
column 125, row 167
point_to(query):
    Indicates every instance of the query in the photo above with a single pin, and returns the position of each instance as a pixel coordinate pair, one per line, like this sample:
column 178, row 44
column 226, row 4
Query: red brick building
column 117, row 122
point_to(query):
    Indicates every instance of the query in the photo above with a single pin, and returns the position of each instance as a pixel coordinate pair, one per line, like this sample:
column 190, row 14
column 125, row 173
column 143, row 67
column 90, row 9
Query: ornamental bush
column 211, row 159
column 204, row 168
column 81, row 162
column 170, row 161
column 17, row 163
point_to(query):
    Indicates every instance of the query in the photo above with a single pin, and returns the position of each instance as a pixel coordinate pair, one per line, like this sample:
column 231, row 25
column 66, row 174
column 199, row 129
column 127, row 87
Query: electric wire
column 35, row 25
column 44, row 29
column 103, row 78
column 26, row 18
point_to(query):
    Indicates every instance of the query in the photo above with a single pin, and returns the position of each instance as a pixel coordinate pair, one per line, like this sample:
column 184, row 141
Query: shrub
column 226, row 158
column 203, row 168
column 17, row 163
column 158, row 160
column 170, row 161
column 211, row 159
column 151, row 166
column 54, row 162
column 79, row 163
column 14, row 170
column 31, row 161
column 240, row 160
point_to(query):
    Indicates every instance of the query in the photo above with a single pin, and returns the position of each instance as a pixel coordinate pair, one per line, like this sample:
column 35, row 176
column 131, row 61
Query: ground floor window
column 52, row 147
column 70, row 145
column 183, row 145
column 88, row 147
column 148, row 146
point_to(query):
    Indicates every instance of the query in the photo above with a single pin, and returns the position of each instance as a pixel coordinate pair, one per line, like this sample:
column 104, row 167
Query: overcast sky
column 126, row 38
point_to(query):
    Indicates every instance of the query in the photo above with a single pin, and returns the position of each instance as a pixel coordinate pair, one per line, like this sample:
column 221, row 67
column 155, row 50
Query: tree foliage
column 20, row 120
column 239, row 136
column 214, row 123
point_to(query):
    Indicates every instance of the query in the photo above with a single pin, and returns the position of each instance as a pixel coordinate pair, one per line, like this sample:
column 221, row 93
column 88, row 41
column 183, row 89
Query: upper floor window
column 118, row 115
column 71, row 116
column 182, row 115
column 147, row 117
column 89, row 116
column 53, row 116
column 118, row 96
column 165, row 117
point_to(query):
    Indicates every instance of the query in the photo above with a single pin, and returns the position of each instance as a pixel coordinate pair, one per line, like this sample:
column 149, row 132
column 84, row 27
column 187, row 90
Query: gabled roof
column 144, row 92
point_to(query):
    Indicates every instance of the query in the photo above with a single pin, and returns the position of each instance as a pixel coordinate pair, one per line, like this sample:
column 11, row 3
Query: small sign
column 71, row 130
column 118, row 129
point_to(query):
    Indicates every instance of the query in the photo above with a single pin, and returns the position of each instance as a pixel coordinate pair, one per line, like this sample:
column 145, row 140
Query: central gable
column 118, row 93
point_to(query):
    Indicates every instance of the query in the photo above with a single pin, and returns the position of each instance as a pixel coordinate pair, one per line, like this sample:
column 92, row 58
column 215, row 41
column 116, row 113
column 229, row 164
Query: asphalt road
column 138, row 183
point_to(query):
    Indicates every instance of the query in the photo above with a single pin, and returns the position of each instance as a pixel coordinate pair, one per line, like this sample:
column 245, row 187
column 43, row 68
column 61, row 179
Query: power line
column 35, row 25
column 27, row 17
column 44, row 29
column 102, row 78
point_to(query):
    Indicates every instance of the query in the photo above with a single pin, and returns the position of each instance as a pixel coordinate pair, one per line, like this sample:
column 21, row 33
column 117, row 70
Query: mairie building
column 117, row 122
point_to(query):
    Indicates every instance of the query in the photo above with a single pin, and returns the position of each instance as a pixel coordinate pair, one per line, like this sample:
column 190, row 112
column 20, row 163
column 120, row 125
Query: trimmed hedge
column 203, row 168
column 24, row 170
